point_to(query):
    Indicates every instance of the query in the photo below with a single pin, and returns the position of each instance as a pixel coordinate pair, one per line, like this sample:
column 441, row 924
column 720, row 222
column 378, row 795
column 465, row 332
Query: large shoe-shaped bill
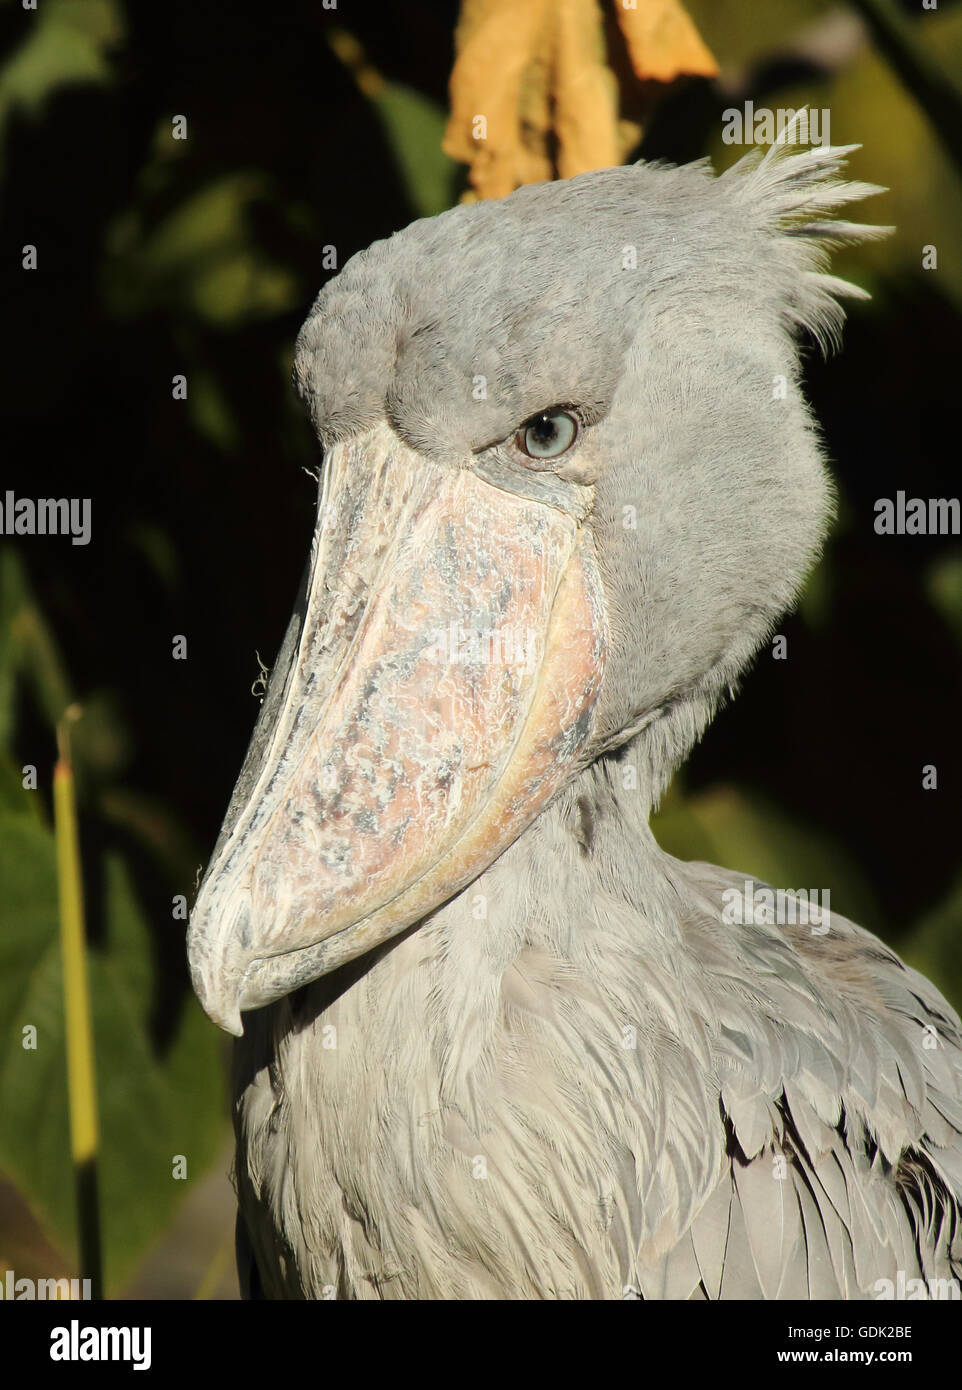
column 435, row 692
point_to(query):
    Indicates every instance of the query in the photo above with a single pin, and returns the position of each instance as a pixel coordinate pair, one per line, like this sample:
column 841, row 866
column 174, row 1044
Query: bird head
column 570, row 484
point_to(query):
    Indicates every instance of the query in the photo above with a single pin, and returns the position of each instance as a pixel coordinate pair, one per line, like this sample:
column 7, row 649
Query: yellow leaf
column 496, row 46
column 585, row 91
column 663, row 42
column 534, row 97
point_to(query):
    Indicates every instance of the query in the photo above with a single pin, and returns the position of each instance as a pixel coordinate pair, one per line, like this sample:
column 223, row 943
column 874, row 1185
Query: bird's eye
column 548, row 434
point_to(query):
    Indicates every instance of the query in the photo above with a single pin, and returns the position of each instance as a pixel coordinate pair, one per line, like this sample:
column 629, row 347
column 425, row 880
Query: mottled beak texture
column 442, row 692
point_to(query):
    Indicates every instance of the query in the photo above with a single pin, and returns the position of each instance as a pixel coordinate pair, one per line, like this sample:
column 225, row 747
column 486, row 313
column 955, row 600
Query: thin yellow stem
column 81, row 1075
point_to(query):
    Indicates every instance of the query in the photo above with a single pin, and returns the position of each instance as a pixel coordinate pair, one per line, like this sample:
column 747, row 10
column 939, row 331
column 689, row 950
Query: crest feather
column 792, row 198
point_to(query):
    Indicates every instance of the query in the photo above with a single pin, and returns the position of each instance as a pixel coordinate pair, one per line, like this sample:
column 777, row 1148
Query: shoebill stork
column 494, row 1042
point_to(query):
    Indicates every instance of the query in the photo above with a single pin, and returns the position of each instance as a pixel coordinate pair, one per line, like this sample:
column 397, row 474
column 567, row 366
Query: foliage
column 155, row 1102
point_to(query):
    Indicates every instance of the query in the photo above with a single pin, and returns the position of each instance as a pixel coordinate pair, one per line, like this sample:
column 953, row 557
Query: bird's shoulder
column 840, row 1080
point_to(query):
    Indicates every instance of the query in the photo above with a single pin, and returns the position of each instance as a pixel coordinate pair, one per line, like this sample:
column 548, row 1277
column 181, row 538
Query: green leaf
column 414, row 125
column 933, row 945
column 66, row 42
column 151, row 1107
column 201, row 258
column 943, row 583
column 724, row 826
column 28, row 650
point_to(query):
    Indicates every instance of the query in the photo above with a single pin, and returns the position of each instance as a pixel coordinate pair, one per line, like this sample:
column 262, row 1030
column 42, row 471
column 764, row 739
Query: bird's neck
column 591, row 845
column 582, row 882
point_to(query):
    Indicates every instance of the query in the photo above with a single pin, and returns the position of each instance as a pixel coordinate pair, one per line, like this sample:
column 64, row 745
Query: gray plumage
column 573, row 1077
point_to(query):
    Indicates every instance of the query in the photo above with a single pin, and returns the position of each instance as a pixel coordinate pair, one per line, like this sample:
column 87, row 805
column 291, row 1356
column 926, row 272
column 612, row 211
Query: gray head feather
column 666, row 304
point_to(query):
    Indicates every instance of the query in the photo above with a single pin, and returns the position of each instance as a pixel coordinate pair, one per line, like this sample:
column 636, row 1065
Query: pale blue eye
column 548, row 434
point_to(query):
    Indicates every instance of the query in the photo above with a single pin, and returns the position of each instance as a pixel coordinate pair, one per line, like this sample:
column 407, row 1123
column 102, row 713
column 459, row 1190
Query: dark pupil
column 544, row 429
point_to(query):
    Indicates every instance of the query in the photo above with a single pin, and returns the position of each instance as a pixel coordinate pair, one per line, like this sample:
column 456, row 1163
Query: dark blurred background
column 310, row 128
